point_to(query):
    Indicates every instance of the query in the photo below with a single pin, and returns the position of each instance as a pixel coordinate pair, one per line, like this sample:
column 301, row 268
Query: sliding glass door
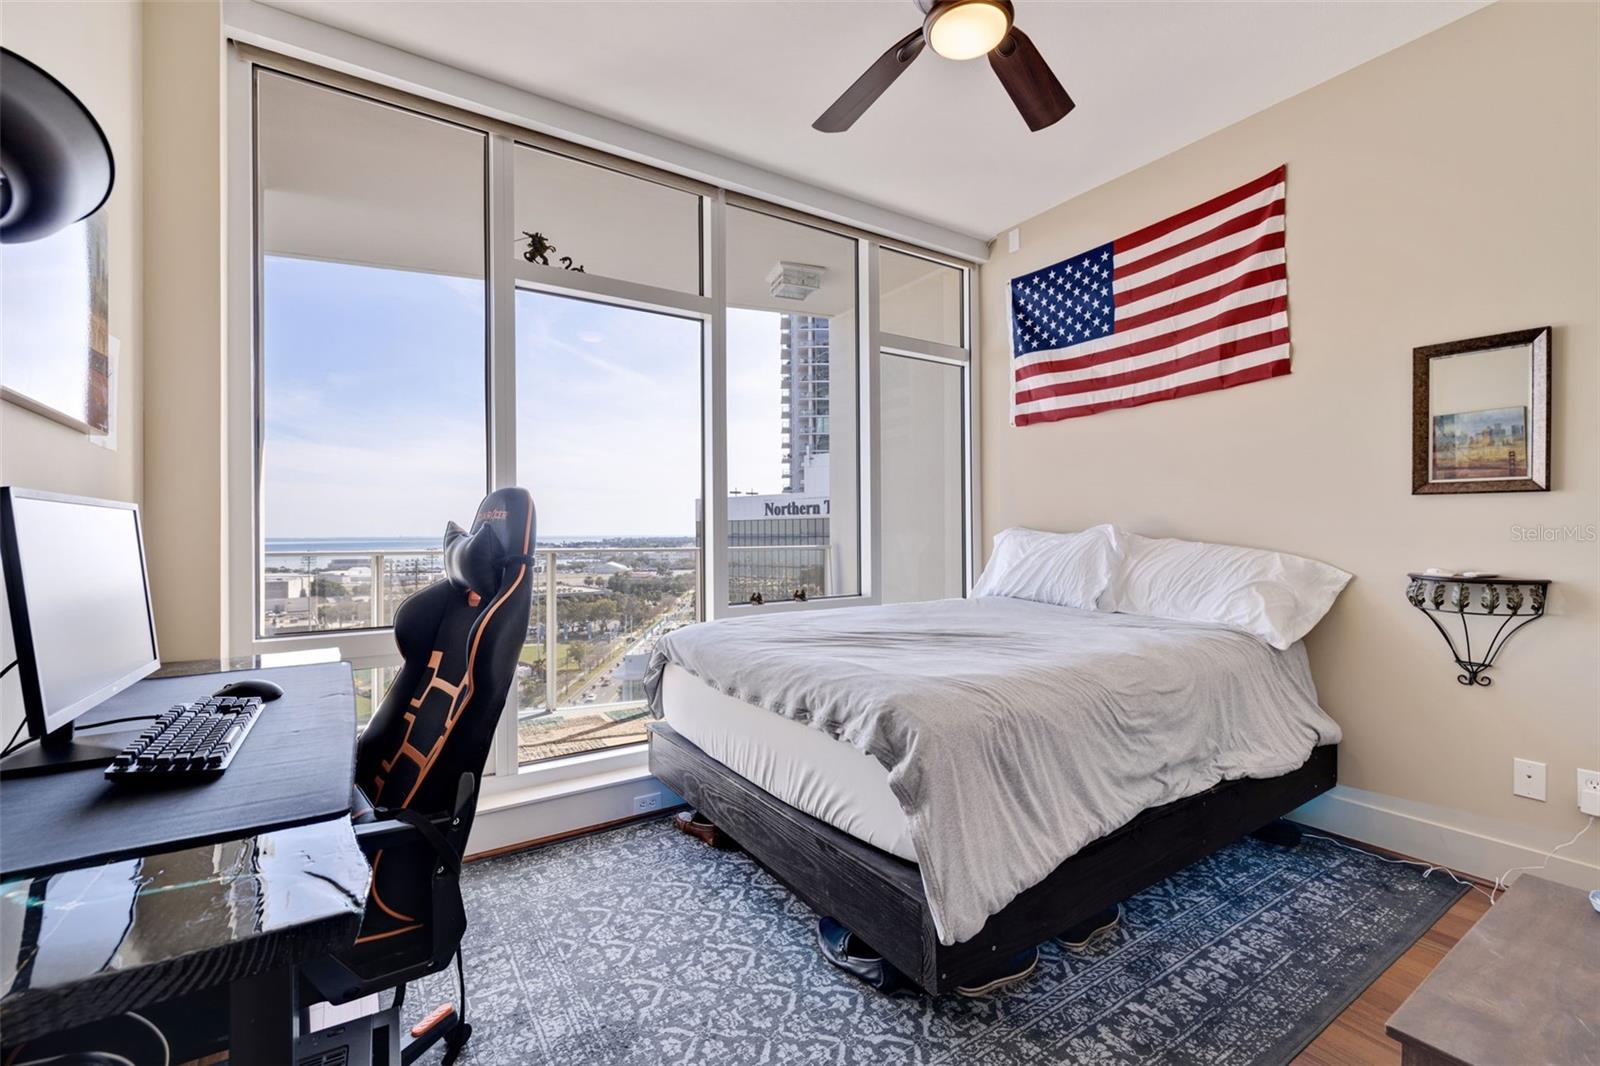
column 608, row 442
column 794, row 515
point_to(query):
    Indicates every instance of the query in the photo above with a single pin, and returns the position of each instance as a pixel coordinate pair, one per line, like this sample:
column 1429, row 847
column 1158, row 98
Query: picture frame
column 55, row 327
column 1480, row 414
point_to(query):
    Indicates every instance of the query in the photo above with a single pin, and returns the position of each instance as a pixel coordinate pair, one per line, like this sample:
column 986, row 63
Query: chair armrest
column 389, row 831
column 444, row 833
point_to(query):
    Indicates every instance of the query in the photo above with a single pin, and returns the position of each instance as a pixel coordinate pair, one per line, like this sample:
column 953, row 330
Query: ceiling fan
column 961, row 29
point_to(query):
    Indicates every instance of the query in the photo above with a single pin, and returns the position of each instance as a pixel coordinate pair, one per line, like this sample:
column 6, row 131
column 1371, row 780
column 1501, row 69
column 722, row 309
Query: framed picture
column 1480, row 418
column 53, row 326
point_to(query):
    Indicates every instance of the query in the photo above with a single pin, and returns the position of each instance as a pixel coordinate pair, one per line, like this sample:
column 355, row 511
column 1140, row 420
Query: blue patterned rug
column 642, row 946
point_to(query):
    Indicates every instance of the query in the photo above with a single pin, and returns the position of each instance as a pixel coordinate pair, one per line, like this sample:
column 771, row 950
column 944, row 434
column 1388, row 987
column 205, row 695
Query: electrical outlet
column 1527, row 778
column 646, row 803
column 1589, row 791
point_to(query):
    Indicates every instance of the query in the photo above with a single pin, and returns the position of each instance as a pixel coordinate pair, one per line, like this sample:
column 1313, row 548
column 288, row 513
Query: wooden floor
column 1356, row 1037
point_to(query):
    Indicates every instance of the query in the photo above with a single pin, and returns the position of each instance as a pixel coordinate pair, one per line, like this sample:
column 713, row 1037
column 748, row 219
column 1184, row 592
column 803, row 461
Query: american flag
column 1195, row 302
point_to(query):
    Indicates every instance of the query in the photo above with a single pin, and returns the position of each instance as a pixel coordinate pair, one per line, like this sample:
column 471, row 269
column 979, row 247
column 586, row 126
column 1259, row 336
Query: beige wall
column 185, row 458
column 152, row 75
column 94, row 50
column 1445, row 190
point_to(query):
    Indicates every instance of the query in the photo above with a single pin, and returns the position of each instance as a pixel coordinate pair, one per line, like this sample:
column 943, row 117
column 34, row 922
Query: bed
column 957, row 781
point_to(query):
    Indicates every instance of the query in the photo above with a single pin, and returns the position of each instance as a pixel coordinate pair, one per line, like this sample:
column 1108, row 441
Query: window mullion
column 501, row 379
column 871, row 424
column 714, row 538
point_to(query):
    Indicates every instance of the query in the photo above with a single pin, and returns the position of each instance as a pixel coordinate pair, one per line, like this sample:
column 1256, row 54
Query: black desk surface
column 139, row 896
column 98, row 940
column 294, row 768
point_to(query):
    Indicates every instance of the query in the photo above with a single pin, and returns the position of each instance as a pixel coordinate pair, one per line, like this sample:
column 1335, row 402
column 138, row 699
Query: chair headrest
column 502, row 528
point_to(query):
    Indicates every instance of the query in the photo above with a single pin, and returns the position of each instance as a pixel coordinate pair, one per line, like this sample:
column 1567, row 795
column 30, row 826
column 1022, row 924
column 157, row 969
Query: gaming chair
column 420, row 761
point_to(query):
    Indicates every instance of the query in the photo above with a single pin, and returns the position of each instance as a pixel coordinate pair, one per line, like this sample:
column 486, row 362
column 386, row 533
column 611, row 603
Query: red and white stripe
column 1201, row 302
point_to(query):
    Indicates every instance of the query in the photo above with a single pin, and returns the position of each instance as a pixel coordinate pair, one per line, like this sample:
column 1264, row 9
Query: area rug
column 643, row 946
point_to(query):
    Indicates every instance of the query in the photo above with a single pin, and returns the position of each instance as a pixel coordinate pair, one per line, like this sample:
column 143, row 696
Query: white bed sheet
column 804, row 767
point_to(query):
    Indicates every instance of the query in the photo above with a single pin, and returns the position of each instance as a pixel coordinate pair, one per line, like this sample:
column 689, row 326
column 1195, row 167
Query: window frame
column 505, row 272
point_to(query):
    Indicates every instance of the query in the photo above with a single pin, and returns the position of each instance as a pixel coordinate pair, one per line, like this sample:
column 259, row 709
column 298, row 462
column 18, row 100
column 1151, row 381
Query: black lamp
column 55, row 161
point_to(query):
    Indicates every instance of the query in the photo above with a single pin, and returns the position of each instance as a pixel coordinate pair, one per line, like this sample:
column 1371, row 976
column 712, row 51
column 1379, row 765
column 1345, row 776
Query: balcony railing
column 596, row 616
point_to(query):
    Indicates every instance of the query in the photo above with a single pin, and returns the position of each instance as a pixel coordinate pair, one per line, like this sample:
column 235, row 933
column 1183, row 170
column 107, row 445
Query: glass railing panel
column 778, row 572
column 596, row 614
column 611, row 605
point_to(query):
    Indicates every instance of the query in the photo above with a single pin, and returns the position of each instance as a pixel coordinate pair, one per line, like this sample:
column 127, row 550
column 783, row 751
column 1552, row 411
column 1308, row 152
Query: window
column 793, row 455
column 919, row 298
column 372, row 387
column 608, row 442
column 924, row 376
column 612, row 225
column 396, row 353
column 923, row 470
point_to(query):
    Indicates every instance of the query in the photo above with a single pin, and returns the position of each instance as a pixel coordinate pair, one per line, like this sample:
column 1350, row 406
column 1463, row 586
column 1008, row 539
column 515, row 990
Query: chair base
column 442, row 1024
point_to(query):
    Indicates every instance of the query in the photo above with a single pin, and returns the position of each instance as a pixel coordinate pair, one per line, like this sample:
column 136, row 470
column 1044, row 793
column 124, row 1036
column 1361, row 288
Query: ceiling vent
column 795, row 281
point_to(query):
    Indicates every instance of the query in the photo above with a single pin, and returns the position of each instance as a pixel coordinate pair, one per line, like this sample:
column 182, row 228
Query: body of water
column 335, row 545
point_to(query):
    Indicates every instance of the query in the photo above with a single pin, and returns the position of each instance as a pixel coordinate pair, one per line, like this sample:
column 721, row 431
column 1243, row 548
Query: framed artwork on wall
column 54, row 329
column 1480, row 417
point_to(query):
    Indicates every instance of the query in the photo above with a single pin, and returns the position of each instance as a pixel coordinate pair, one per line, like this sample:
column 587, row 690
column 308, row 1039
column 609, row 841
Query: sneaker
column 1078, row 937
column 696, row 825
column 1020, row 969
column 847, row 951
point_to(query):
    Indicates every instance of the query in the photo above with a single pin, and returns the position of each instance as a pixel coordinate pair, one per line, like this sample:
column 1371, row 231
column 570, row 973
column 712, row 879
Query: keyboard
column 189, row 741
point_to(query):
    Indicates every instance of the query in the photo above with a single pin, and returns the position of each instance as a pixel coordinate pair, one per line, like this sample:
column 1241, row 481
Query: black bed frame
column 879, row 896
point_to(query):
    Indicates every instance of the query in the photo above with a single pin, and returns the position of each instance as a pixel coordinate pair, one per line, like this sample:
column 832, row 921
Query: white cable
column 73, row 1055
column 1500, row 884
column 166, row 1048
column 1427, row 868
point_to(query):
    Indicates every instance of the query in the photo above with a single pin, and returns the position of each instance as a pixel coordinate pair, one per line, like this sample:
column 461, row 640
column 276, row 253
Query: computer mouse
column 251, row 686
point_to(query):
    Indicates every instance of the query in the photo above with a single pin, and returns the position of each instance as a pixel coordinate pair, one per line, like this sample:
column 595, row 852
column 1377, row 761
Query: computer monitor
column 80, row 615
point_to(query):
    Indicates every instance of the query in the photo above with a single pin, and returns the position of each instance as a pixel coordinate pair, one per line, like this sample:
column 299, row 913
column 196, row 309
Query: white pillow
column 1068, row 569
column 1270, row 595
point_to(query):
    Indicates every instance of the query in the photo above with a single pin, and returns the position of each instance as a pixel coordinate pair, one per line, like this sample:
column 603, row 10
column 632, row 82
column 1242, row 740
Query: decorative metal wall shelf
column 1514, row 601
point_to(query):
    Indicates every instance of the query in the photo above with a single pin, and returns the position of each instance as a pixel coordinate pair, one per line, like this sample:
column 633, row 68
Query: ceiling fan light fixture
column 967, row 29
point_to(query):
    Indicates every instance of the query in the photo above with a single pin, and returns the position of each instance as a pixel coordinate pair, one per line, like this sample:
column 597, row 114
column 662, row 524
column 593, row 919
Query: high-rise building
column 804, row 399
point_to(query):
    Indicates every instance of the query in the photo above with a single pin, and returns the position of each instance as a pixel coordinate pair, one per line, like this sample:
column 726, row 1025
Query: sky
column 374, row 399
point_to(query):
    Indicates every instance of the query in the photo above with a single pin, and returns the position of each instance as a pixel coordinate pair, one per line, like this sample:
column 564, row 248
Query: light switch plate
column 1528, row 778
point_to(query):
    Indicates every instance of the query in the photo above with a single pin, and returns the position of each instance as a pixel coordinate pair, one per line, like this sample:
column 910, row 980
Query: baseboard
column 1483, row 847
column 509, row 821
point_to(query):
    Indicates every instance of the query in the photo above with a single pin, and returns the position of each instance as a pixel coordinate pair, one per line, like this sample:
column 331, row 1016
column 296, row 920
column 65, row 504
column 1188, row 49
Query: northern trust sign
column 756, row 508
column 791, row 509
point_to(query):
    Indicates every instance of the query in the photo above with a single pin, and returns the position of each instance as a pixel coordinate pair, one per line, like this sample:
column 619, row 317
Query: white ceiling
column 745, row 78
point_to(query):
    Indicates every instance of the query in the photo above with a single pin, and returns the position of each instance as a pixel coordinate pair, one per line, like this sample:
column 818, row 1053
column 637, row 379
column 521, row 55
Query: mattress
column 805, row 768
column 1012, row 732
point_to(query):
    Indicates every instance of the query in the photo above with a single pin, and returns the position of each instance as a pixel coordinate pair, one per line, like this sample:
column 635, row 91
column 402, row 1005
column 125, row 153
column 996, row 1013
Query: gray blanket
column 1014, row 732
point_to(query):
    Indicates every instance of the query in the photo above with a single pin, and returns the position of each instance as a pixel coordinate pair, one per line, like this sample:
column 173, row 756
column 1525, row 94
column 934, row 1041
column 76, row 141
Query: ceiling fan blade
column 854, row 101
column 1027, row 78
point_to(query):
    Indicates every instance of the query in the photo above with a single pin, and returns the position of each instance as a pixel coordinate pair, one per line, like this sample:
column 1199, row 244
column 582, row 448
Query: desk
column 124, row 926
column 1521, row 986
